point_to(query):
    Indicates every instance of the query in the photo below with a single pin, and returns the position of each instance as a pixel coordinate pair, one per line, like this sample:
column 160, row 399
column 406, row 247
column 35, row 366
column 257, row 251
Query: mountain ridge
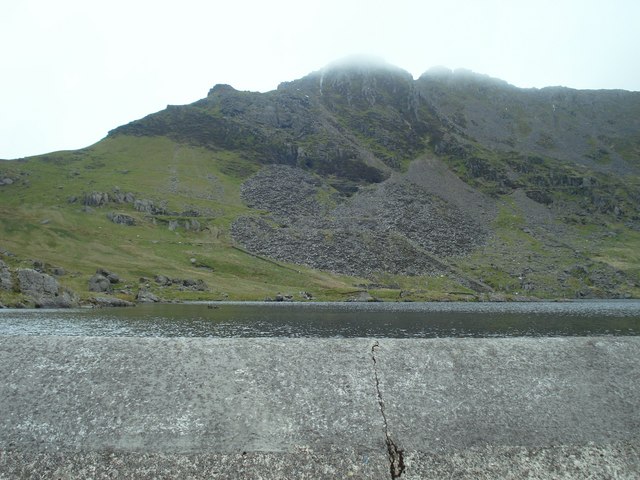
column 404, row 188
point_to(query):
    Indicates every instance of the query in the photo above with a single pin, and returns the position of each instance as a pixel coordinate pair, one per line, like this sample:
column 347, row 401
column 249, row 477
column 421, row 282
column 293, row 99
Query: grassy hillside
column 39, row 223
column 412, row 191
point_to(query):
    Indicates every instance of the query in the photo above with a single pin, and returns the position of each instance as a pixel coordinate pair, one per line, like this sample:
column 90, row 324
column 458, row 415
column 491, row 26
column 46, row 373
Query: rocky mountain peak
column 364, row 82
column 221, row 88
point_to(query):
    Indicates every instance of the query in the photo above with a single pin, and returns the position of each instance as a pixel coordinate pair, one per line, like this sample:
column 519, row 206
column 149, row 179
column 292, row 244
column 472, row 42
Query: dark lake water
column 392, row 320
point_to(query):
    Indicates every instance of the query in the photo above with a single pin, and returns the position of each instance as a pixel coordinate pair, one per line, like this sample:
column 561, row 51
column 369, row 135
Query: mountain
column 356, row 181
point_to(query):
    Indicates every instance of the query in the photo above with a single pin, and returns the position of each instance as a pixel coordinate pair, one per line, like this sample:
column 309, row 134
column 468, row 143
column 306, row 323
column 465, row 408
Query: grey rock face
column 112, row 277
column 95, row 199
column 145, row 296
column 182, row 283
column 99, row 199
column 162, row 280
column 37, row 283
column 99, row 283
column 44, row 289
column 192, row 225
column 111, row 302
column 6, row 282
column 58, row 271
column 147, row 206
column 121, row 218
column 190, row 283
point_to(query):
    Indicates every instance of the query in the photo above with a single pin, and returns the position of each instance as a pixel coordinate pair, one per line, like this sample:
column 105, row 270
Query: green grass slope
column 39, row 222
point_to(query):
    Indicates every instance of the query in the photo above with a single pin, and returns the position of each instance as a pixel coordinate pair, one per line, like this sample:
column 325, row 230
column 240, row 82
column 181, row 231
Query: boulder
column 145, row 296
column 112, row 277
column 34, row 282
column 362, row 297
column 99, row 283
column 283, row 298
column 121, row 218
column 44, row 290
column 162, row 280
column 120, row 197
column 192, row 225
column 111, row 302
column 39, row 266
column 95, row 199
column 199, row 285
column 147, row 206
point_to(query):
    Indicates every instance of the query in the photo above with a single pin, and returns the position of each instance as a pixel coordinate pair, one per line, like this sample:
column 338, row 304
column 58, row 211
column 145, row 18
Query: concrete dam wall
column 107, row 407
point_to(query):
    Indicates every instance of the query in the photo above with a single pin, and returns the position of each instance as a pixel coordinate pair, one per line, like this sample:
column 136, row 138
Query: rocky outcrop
column 112, row 277
column 121, row 219
column 110, row 302
column 44, row 290
column 99, row 283
column 99, row 199
column 146, row 296
column 182, row 283
column 103, row 280
column 6, row 280
column 148, row 206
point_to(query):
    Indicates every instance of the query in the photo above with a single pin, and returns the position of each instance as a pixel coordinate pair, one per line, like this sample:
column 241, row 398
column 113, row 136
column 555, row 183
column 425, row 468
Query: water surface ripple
column 378, row 320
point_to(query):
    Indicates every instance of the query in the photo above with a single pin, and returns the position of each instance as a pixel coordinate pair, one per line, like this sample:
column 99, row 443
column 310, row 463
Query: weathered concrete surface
column 514, row 408
column 214, row 398
column 77, row 407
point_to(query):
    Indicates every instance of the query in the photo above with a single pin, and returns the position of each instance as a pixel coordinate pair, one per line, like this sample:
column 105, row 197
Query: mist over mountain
column 354, row 178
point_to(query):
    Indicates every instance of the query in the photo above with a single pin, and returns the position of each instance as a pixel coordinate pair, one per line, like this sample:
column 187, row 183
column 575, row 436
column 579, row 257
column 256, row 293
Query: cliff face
column 361, row 170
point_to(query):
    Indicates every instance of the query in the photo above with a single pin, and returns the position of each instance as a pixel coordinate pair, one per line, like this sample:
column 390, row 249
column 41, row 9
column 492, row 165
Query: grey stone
column 44, row 289
column 162, row 280
column 6, row 279
column 99, row 283
column 58, row 271
column 362, row 297
column 112, row 277
column 190, row 283
column 36, row 283
column 111, row 302
column 121, row 218
column 192, row 225
column 147, row 206
column 95, row 199
column 145, row 296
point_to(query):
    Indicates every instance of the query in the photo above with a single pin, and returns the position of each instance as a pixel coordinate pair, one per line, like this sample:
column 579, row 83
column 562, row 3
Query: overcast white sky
column 71, row 70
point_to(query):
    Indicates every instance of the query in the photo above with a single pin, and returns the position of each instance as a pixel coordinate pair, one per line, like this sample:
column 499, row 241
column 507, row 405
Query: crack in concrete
column 395, row 454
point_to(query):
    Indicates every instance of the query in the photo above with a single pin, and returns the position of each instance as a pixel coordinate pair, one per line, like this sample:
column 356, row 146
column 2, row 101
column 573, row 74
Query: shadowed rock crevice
column 395, row 454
